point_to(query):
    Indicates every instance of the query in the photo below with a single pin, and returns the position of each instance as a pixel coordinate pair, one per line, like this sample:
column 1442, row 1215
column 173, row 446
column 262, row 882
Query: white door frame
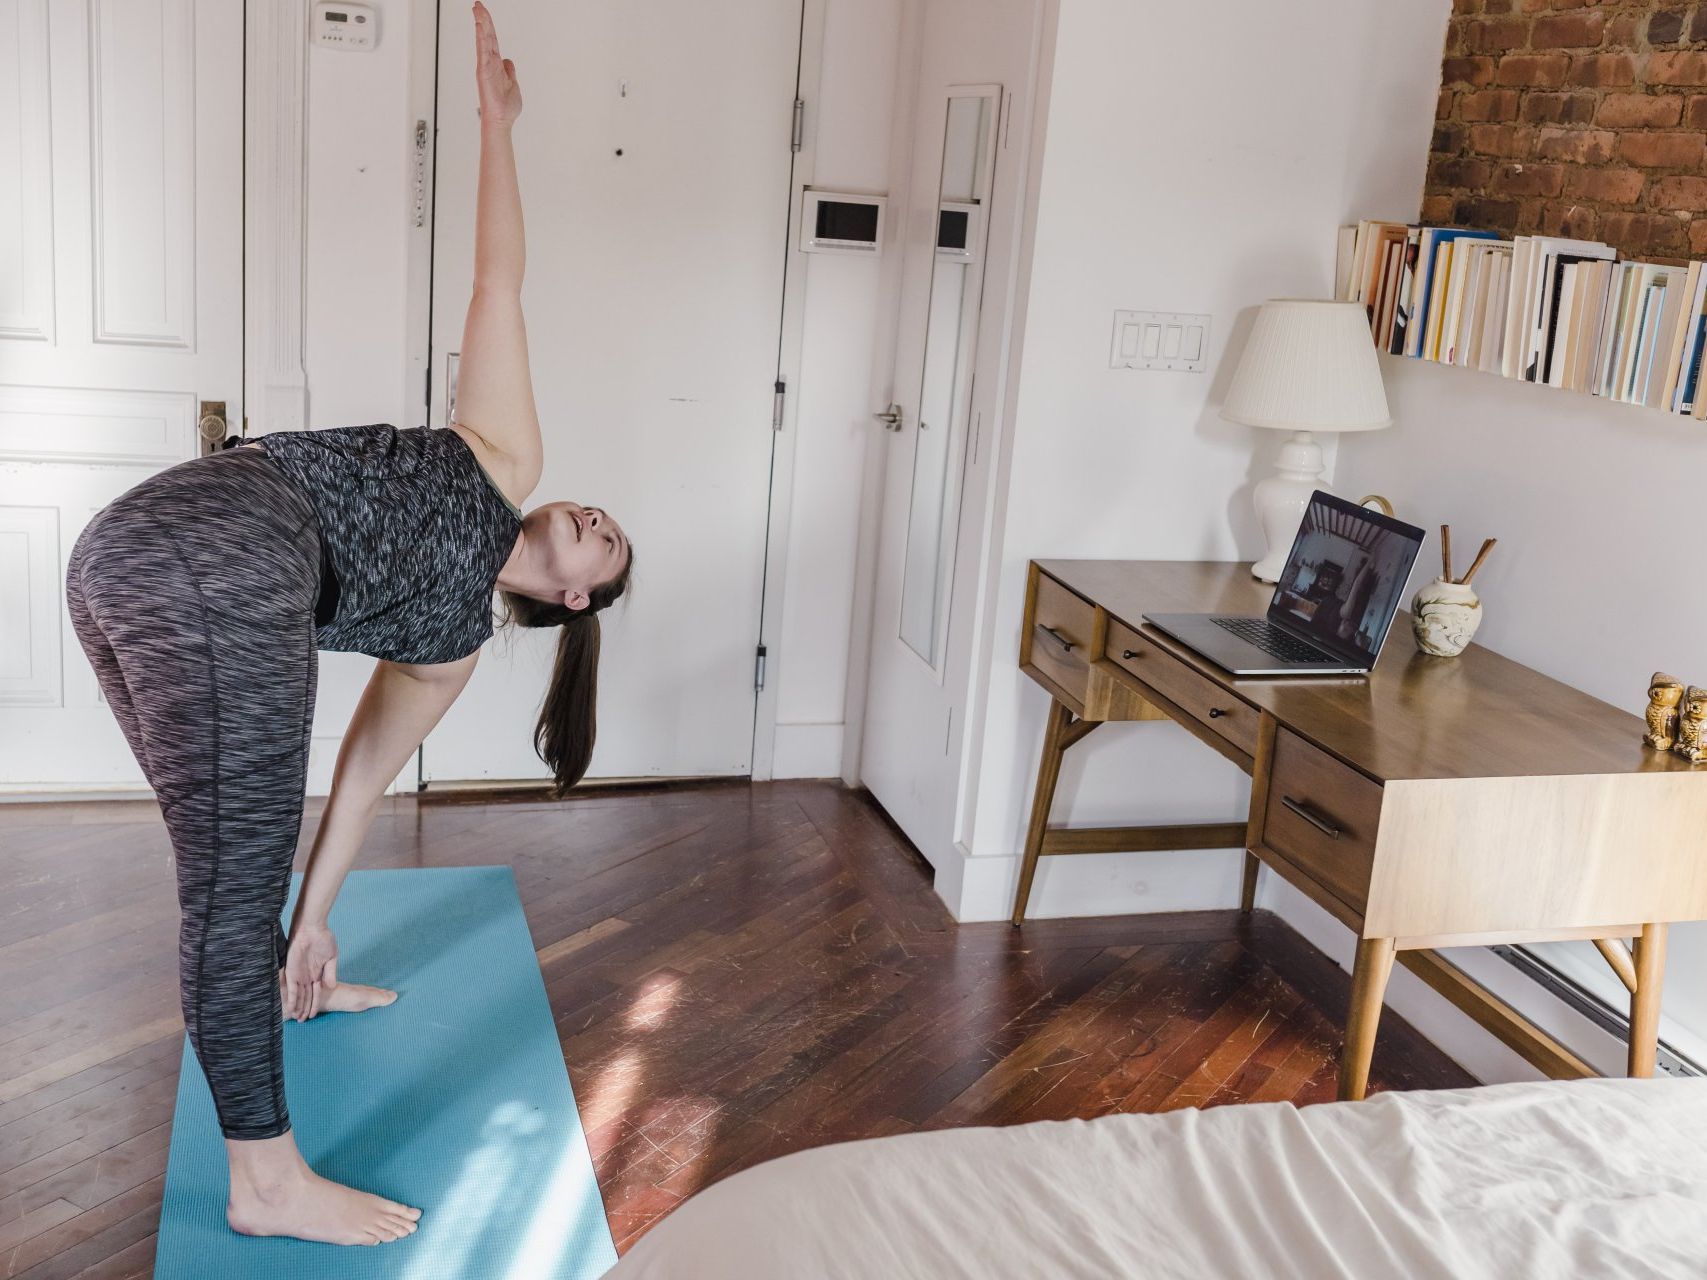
column 275, row 180
column 779, row 524
column 984, row 509
column 275, row 209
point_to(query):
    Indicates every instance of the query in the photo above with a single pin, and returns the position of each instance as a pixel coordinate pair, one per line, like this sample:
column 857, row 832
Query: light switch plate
column 1176, row 340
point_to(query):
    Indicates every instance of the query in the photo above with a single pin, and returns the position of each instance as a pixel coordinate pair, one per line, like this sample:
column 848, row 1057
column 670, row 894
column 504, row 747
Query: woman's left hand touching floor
column 310, row 978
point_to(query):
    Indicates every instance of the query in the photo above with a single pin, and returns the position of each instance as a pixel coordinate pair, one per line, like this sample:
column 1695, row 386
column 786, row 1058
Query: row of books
column 1545, row 309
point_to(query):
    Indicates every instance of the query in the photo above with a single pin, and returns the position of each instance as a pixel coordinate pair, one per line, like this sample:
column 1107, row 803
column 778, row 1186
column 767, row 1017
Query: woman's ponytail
column 568, row 718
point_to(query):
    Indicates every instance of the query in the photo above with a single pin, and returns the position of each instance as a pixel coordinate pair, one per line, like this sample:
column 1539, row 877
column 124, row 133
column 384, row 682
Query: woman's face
column 582, row 548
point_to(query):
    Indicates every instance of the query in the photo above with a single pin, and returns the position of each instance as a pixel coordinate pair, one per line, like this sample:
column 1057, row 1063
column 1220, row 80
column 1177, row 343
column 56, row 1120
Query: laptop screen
column 1343, row 581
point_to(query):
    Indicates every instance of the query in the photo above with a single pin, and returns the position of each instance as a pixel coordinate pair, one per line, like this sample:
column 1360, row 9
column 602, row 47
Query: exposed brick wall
column 1565, row 117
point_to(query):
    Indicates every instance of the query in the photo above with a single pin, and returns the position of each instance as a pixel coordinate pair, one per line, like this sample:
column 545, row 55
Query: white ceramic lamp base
column 1281, row 500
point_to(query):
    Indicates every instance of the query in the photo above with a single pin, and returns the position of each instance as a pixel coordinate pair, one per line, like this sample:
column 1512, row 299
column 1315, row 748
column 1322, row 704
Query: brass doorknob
column 211, row 425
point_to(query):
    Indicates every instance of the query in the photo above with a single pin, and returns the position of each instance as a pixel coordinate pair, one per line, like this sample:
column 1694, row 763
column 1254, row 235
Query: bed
column 1585, row 1178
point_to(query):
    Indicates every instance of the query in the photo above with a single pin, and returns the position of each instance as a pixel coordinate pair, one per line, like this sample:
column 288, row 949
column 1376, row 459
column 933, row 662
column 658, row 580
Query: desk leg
column 1048, row 774
column 1369, row 974
column 1650, row 956
column 1248, row 894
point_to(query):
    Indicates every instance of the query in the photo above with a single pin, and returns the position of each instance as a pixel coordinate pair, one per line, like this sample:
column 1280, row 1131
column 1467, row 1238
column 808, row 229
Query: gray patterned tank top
column 413, row 533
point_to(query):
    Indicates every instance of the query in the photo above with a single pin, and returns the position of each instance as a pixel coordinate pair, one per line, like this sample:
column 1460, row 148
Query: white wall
column 840, row 319
column 1201, row 183
column 359, row 229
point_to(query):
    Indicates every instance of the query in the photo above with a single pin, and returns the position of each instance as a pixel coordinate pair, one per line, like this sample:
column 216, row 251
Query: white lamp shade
column 1309, row 366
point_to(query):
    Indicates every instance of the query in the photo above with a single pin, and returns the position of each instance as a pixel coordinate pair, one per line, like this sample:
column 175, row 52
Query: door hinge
column 799, row 134
column 759, row 670
column 420, row 173
column 780, row 393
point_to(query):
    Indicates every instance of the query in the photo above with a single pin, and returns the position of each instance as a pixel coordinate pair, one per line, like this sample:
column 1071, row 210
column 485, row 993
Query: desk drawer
column 1322, row 817
column 1207, row 702
column 1061, row 636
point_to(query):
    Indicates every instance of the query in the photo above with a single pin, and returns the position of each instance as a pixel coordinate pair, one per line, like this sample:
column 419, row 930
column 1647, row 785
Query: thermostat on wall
column 831, row 222
column 346, row 26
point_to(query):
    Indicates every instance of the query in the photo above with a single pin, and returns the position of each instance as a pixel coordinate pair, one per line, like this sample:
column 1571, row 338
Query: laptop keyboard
column 1271, row 639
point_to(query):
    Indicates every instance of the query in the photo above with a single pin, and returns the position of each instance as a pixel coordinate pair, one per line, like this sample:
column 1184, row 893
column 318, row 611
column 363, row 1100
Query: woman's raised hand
column 310, row 972
column 500, row 95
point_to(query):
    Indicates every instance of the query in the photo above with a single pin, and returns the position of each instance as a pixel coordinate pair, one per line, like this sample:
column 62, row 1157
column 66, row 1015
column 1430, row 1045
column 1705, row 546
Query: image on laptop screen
column 1345, row 575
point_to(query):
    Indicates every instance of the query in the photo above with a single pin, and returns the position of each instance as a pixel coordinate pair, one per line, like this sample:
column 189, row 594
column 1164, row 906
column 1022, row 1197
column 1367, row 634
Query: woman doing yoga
column 201, row 596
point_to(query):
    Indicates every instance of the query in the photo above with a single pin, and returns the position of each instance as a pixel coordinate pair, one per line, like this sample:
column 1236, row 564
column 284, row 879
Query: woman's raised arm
column 494, row 395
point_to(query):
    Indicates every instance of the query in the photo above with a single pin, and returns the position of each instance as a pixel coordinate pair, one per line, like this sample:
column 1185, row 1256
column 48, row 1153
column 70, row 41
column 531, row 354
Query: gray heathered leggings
column 193, row 595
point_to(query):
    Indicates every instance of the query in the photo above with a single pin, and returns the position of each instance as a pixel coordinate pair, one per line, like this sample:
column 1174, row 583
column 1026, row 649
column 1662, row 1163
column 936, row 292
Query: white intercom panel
column 835, row 222
column 346, row 26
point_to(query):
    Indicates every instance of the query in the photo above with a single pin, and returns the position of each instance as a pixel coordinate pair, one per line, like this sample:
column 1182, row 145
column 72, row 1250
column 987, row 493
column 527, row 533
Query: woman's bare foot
column 275, row 1193
column 353, row 997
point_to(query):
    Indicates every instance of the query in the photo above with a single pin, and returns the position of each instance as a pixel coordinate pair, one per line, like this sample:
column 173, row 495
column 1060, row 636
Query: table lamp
column 1309, row 367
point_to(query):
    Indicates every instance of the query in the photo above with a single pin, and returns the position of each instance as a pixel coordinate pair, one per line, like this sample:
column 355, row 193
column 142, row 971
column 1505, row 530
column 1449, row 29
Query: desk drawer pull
column 1315, row 820
column 1215, row 713
column 1057, row 637
column 1130, row 654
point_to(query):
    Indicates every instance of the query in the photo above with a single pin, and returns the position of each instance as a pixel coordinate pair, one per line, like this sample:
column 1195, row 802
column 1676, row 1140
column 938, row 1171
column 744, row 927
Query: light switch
column 1160, row 340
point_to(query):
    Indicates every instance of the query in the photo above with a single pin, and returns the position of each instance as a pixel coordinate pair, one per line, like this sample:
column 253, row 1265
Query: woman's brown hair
column 568, row 720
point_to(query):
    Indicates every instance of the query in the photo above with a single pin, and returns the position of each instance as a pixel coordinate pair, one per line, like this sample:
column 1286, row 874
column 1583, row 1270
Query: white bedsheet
column 1589, row 1178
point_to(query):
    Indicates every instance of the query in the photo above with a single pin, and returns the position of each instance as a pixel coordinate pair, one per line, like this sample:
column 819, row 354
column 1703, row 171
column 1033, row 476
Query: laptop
column 1332, row 607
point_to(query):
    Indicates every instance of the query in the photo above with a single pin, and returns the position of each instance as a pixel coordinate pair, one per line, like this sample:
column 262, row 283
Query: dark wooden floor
column 737, row 972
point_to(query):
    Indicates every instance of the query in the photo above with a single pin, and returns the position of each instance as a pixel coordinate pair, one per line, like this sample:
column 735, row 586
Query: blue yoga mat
column 453, row 1099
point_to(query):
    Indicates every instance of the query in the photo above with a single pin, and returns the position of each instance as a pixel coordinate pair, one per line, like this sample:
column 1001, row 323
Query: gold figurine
column 1692, row 726
column 1664, row 694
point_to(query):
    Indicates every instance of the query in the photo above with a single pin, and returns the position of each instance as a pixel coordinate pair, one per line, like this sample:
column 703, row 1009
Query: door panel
column 965, row 196
column 142, row 154
column 121, row 161
column 655, row 162
column 908, row 760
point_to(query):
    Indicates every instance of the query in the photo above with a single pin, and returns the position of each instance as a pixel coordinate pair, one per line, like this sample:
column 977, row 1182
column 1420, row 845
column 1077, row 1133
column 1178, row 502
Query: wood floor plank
column 29, row 1225
column 91, row 1237
column 154, row 1057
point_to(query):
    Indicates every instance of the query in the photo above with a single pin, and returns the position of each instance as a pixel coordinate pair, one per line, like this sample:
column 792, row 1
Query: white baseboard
column 807, row 751
column 1095, row 884
column 67, row 793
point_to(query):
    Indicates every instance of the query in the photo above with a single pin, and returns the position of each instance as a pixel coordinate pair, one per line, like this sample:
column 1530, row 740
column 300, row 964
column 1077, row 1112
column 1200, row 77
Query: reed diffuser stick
column 1446, row 552
column 1480, row 556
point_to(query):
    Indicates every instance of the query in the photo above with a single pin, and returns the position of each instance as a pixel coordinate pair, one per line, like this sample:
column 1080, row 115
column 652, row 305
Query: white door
column 655, row 159
column 918, row 675
column 965, row 196
column 121, row 308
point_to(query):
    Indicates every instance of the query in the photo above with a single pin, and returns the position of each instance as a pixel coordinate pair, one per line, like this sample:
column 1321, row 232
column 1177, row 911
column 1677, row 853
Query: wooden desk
column 1437, row 802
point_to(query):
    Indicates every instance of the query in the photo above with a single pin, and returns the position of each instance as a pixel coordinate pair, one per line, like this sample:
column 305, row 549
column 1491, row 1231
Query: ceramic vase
column 1445, row 616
